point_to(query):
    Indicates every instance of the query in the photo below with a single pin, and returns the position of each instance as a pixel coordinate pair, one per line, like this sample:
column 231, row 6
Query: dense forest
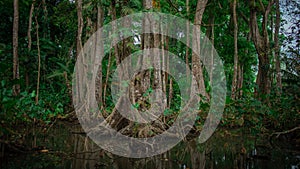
column 42, row 41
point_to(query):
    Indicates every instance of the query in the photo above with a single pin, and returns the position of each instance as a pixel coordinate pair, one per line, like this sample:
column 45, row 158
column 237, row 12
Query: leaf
column 32, row 94
column 3, row 83
column 55, row 74
column 167, row 112
column 63, row 67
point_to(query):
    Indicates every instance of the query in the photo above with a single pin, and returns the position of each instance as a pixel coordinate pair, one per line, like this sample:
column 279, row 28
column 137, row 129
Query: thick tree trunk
column 16, row 75
column 79, row 78
column 262, row 46
column 236, row 59
column 157, row 85
column 196, row 62
column 142, row 83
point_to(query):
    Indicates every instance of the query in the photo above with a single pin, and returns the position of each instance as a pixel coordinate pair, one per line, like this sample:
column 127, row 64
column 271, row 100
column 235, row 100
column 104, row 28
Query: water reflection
column 68, row 147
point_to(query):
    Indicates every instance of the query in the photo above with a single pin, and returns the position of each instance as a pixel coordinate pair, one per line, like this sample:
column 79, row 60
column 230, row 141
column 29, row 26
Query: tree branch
column 173, row 5
column 285, row 132
column 244, row 17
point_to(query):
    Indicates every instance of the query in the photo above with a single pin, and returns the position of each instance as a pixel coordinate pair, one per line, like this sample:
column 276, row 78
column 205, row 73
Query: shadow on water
column 66, row 146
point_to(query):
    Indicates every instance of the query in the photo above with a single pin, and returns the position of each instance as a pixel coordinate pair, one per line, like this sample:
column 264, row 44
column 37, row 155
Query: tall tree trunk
column 157, row 85
column 212, row 39
column 241, row 68
column 169, row 100
column 277, row 49
column 236, row 59
column 38, row 79
column 29, row 42
column 79, row 26
column 99, row 50
column 115, row 118
column 115, row 33
column 262, row 45
column 79, row 78
column 143, row 78
column 16, row 75
column 39, row 61
column 196, row 62
column 125, row 48
column 187, row 49
column 164, row 61
column 240, row 79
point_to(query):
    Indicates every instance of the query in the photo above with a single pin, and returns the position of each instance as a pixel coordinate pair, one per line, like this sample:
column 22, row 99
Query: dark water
column 65, row 146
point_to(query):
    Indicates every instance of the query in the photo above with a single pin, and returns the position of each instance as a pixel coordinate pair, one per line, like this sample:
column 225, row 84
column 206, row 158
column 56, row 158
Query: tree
column 39, row 61
column 29, row 41
column 196, row 64
column 99, row 48
column 262, row 45
column 79, row 26
column 187, row 38
column 236, row 58
column 16, row 75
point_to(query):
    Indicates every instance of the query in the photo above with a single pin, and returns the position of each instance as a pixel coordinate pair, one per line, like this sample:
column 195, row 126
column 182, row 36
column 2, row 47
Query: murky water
column 66, row 146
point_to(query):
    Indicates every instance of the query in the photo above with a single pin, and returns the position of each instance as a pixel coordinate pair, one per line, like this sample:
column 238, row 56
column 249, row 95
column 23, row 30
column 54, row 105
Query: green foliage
column 58, row 31
column 283, row 113
column 7, row 101
column 25, row 108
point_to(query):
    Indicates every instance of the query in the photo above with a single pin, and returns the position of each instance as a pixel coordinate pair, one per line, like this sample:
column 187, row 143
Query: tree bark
column 236, row 59
column 187, row 49
column 115, row 33
column 79, row 78
column 142, row 83
column 240, row 79
column 164, row 61
column 157, row 85
column 99, row 50
column 262, row 45
column 79, row 27
column 27, row 81
column 16, row 75
column 196, row 62
column 169, row 100
column 39, row 62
